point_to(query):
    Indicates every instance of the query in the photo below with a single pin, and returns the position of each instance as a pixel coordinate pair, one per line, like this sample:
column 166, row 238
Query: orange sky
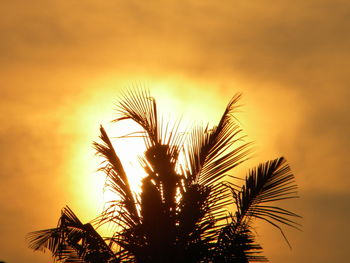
column 64, row 63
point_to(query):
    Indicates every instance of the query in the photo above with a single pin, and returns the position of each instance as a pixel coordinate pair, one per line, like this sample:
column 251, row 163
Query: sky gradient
column 63, row 65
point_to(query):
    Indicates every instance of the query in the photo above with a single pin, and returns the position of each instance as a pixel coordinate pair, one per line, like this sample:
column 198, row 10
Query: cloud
column 290, row 61
column 324, row 231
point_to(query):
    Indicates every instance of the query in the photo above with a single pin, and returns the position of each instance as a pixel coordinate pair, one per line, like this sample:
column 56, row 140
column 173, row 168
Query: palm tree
column 189, row 209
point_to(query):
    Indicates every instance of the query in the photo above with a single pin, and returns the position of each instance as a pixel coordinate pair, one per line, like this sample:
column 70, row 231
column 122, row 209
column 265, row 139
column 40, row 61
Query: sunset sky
column 63, row 65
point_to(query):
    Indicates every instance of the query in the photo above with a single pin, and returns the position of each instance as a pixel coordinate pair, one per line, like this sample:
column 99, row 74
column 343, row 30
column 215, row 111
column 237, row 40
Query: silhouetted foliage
column 182, row 213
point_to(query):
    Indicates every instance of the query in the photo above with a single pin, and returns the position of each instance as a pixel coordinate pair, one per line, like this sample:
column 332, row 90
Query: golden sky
column 63, row 65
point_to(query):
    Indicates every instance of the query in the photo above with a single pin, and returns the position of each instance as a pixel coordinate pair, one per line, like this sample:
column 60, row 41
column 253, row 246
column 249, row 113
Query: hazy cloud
column 290, row 59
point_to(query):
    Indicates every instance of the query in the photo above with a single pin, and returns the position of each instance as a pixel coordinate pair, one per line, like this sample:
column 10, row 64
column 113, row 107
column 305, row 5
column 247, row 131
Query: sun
column 177, row 102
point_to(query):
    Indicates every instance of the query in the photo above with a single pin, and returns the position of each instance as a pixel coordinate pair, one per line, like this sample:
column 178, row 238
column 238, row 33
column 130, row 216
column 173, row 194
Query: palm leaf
column 269, row 182
column 117, row 181
column 140, row 107
column 210, row 154
column 72, row 241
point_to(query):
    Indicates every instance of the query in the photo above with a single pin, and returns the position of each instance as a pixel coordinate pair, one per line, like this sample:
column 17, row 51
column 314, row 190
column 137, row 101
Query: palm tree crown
column 182, row 212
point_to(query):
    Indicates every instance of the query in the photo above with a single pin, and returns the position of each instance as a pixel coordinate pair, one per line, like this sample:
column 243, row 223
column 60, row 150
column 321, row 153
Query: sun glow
column 128, row 146
column 176, row 101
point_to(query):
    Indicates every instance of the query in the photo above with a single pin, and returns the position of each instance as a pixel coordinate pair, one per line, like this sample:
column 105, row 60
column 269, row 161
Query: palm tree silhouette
column 182, row 213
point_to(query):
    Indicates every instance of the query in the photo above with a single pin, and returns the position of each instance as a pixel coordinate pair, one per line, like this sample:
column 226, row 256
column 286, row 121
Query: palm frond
column 269, row 182
column 209, row 154
column 140, row 107
column 71, row 241
column 117, row 178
